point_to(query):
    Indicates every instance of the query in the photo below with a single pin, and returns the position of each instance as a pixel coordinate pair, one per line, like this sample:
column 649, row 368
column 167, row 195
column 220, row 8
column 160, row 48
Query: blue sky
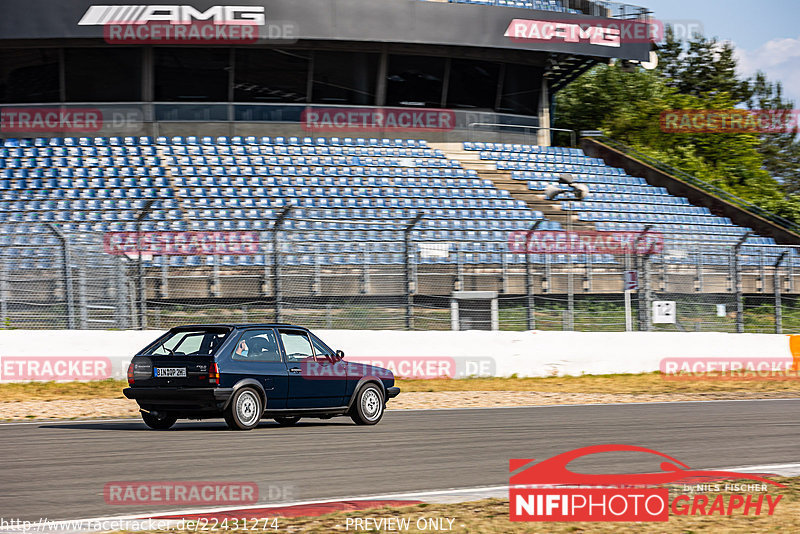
column 766, row 33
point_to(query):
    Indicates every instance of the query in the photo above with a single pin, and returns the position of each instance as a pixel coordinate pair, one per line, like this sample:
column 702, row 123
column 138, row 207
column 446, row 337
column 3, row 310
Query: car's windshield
column 202, row 342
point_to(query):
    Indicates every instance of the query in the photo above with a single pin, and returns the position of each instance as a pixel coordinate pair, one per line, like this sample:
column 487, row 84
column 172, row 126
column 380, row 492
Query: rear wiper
column 171, row 352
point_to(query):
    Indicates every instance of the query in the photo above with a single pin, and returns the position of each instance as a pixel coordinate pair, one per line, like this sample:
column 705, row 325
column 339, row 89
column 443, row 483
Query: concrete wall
column 495, row 353
column 540, row 353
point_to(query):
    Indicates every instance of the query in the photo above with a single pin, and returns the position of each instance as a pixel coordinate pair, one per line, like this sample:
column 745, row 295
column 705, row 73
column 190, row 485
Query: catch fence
column 345, row 274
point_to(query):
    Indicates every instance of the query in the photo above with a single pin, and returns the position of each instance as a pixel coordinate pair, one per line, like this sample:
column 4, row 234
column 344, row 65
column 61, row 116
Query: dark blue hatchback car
column 244, row 372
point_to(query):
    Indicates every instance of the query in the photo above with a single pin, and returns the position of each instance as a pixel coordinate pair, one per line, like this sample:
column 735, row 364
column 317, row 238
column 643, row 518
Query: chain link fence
column 396, row 275
column 38, row 290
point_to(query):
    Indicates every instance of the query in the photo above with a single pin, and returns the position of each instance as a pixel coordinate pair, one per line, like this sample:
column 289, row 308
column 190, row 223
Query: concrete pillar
column 543, row 136
column 454, row 320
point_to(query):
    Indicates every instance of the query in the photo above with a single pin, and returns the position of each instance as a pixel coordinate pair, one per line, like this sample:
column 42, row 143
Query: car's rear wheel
column 159, row 421
column 287, row 421
column 244, row 410
column 368, row 406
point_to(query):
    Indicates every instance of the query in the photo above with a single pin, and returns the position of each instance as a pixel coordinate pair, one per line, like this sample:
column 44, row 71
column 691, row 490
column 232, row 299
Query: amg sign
column 171, row 14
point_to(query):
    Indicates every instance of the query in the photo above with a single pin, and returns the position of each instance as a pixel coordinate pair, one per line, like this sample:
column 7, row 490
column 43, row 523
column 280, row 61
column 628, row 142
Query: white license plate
column 169, row 372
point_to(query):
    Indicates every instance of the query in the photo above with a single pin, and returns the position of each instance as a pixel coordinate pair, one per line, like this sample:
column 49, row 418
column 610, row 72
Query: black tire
column 368, row 406
column 244, row 410
column 287, row 421
column 162, row 421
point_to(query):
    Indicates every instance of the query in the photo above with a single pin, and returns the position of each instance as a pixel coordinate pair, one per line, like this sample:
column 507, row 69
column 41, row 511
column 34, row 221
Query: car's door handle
column 295, row 370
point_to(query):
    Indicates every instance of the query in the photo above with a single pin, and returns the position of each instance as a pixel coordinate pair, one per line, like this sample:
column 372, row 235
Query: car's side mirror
column 339, row 355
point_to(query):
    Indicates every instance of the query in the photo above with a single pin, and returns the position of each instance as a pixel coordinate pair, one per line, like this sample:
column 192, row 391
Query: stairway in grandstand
column 617, row 202
column 503, row 179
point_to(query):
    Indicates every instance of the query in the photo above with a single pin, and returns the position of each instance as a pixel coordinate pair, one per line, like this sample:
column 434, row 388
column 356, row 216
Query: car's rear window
column 200, row 342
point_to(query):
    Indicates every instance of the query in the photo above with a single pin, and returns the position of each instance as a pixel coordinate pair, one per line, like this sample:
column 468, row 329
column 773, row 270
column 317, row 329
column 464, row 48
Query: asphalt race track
column 58, row 470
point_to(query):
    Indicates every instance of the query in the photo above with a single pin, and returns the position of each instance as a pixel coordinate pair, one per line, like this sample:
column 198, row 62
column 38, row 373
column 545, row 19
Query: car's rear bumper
column 179, row 399
column 392, row 392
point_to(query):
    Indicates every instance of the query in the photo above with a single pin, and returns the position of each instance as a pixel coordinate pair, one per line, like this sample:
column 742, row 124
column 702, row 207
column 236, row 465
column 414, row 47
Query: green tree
column 700, row 75
column 701, row 66
column 780, row 150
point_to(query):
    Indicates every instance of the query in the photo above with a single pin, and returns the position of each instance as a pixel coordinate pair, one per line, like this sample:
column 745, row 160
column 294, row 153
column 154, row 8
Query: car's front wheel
column 287, row 421
column 244, row 410
column 368, row 406
column 160, row 421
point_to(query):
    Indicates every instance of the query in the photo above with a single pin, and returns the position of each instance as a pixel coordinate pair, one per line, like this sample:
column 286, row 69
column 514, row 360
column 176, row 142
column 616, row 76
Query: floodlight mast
column 580, row 192
column 737, row 282
column 276, row 275
column 66, row 260
column 410, row 289
column 142, row 290
column 531, row 322
column 776, row 283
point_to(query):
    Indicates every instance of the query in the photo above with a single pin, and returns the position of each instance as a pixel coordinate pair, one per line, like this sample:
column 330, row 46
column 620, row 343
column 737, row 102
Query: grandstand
column 207, row 184
column 242, row 183
column 349, row 201
column 618, row 202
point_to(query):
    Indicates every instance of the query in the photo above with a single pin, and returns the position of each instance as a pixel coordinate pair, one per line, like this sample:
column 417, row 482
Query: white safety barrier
column 42, row 355
column 63, row 354
column 540, row 353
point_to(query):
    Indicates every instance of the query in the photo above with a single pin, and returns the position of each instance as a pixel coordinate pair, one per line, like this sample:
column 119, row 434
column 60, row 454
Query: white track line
column 67, row 421
column 643, row 403
column 784, row 470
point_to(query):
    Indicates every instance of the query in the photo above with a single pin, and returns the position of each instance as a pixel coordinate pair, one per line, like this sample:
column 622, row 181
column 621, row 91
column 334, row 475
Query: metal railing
column 226, row 118
column 498, row 128
column 701, row 184
column 597, row 8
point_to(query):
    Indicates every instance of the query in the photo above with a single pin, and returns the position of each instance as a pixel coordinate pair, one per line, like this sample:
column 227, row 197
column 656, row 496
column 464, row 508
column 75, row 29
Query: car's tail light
column 213, row 374
column 130, row 374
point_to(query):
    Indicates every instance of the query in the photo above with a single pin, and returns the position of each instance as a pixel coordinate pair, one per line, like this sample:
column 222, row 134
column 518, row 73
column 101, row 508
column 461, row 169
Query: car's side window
column 257, row 346
column 321, row 352
column 297, row 346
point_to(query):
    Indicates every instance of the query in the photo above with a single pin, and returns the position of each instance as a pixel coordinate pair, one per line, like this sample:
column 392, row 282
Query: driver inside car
column 242, row 349
column 257, row 348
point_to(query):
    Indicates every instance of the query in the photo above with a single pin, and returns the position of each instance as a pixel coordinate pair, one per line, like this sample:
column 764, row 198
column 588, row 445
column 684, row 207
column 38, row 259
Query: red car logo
column 553, row 471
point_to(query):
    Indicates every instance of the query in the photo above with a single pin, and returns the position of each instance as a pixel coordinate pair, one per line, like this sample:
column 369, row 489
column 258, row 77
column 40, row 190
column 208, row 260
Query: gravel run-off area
column 114, row 408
